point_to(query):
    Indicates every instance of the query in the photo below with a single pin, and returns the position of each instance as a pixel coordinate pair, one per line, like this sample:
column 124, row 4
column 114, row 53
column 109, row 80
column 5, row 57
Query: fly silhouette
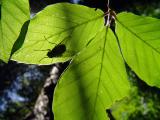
column 57, row 51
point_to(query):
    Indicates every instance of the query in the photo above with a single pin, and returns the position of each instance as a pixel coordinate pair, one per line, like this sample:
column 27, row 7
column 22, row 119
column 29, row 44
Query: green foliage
column 66, row 25
column 139, row 40
column 96, row 77
column 13, row 15
column 142, row 102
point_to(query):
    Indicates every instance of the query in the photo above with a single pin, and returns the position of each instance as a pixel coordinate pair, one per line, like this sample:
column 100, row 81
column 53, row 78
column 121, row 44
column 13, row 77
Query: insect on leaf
column 57, row 51
column 76, row 24
column 95, row 79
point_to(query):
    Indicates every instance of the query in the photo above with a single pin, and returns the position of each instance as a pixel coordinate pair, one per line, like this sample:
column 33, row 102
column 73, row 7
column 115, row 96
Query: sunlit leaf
column 140, row 42
column 95, row 79
column 13, row 15
column 63, row 23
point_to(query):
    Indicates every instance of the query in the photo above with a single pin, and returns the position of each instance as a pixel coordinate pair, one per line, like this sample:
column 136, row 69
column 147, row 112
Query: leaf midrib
column 73, row 27
column 100, row 72
column 139, row 38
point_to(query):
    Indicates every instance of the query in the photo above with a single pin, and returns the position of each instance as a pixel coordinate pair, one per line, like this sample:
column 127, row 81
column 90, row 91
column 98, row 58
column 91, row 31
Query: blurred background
column 20, row 84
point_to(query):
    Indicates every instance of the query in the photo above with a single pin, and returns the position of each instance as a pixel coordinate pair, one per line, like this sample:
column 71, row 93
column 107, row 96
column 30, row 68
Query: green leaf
column 140, row 42
column 95, row 79
column 13, row 15
column 61, row 23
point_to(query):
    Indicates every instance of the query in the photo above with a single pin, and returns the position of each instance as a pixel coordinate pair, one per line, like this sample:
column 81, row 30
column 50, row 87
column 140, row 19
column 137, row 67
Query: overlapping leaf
column 13, row 15
column 95, row 79
column 62, row 23
column 140, row 42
